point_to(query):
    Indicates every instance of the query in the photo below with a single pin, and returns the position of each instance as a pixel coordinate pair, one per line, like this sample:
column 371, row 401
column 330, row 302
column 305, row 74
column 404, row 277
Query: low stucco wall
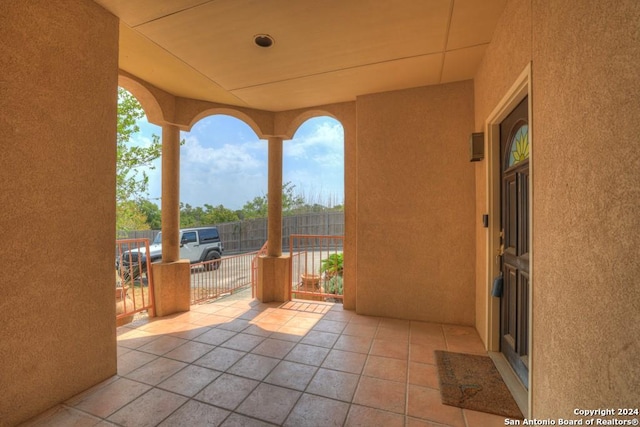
column 415, row 204
column 57, row 169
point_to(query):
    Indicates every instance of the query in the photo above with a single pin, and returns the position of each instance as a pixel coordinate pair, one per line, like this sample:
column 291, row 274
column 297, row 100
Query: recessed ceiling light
column 263, row 40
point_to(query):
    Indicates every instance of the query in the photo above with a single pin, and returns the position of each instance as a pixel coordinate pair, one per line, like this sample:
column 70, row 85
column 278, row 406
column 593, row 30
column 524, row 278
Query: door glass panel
column 519, row 146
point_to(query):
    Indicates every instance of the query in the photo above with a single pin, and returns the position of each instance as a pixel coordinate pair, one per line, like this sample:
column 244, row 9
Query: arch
column 319, row 143
column 240, row 115
column 286, row 124
column 320, row 135
column 145, row 97
column 299, row 120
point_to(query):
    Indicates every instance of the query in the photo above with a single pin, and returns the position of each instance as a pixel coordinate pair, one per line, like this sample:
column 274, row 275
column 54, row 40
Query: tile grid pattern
column 238, row 362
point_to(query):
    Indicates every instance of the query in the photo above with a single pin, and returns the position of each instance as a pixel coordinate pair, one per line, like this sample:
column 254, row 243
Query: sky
column 224, row 163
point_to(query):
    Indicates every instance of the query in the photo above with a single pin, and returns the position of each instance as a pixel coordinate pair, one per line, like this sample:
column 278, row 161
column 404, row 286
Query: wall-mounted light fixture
column 476, row 147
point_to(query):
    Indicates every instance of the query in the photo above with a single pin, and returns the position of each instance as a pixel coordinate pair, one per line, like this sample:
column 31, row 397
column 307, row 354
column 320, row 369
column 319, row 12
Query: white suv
column 196, row 245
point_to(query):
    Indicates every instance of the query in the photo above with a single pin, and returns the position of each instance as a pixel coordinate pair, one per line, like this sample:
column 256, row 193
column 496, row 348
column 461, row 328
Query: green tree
column 190, row 216
column 132, row 181
column 197, row 217
column 129, row 217
column 152, row 213
column 218, row 214
column 256, row 208
column 292, row 203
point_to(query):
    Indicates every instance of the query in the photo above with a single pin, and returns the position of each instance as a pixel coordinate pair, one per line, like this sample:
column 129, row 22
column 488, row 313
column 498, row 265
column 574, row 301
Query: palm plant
column 333, row 267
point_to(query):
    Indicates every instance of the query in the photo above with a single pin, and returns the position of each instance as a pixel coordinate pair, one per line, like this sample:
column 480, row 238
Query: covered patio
column 239, row 362
column 433, row 96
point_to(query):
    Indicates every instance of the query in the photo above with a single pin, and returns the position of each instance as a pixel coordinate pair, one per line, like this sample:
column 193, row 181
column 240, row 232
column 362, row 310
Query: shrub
column 333, row 265
column 334, row 285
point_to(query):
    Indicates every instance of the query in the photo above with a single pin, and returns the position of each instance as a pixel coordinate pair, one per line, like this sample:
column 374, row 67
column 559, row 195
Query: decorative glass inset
column 519, row 146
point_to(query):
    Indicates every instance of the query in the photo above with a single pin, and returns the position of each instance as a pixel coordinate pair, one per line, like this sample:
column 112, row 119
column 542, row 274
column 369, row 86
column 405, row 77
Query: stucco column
column 170, row 193
column 274, row 270
column 171, row 277
column 274, row 211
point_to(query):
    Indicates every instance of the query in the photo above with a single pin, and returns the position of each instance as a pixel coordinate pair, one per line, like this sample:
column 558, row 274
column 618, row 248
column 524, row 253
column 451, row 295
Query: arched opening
column 223, row 167
column 223, row 176
column 137, row 168
column 138, row 150
column 313, row 173
column 314, row 163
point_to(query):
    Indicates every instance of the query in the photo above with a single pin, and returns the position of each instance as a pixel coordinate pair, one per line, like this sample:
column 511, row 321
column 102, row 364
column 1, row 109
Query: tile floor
column 238, row 362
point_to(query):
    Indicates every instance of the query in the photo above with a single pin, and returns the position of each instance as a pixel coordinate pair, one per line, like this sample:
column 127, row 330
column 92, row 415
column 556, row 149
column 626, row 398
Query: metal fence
column 254, row 269
column 317, row 267
column 215, row 278
column 134, row 279
column 250, row 235
column 310, row 238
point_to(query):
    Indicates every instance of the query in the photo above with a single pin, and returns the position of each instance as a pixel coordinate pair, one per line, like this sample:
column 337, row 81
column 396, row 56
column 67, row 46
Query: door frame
column 518, row 91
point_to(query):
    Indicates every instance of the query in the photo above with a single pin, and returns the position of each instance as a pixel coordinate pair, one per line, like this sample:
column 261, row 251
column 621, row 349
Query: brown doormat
column 472, row 382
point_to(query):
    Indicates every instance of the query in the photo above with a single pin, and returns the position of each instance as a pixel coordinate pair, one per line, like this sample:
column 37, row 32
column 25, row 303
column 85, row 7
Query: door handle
column 499, row 254
column 501, row 249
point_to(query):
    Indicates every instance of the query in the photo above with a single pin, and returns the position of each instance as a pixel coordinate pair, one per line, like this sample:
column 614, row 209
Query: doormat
column 472, row 382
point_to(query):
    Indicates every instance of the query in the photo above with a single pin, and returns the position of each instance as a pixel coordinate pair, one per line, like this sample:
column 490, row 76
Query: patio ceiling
column 324, row 52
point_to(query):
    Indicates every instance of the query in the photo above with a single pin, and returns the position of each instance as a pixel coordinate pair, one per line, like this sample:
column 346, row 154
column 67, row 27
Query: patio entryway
column 237, row 361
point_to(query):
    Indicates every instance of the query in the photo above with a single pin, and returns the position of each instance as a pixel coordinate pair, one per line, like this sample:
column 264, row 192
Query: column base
column 274, row 279
column 171, row 287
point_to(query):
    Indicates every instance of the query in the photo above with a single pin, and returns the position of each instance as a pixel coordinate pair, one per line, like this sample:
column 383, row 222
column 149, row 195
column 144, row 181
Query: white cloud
column 314, row 161
column 323, row 143
column 223, row 162
column 230, row 174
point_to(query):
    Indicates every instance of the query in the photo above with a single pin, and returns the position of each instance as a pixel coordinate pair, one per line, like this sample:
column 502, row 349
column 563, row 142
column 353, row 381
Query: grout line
column 408, row 375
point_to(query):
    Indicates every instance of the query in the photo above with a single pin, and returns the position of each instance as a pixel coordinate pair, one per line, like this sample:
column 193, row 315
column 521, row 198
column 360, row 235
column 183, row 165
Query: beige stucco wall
column 586, row 198
column 416, row 204
column 57, row 192
column 586, row 295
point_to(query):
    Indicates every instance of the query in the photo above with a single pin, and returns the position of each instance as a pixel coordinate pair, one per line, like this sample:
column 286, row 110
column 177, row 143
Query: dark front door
column 514, row 313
